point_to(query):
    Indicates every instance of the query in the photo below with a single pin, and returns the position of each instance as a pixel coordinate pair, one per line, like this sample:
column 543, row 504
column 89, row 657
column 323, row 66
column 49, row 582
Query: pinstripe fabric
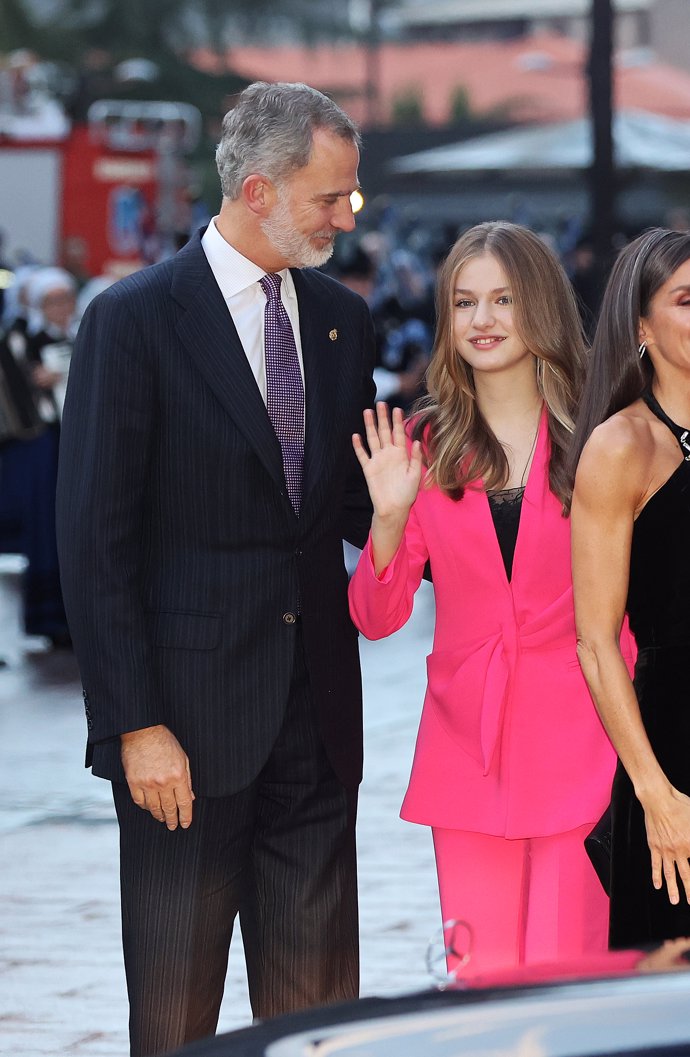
column 303, row 871
column 180, row 552
column 282, row 853
column 182, row 562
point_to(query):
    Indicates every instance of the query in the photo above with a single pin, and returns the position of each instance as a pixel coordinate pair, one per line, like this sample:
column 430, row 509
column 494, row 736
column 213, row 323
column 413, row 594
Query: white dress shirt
column 238, row 280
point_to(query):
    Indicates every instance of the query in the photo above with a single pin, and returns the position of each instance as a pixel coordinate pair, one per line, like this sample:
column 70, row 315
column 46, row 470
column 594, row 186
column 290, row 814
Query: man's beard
column 297, row 249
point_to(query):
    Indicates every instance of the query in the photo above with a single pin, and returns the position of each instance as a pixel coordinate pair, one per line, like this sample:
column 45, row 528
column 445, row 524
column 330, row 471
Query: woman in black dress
column 631, row 551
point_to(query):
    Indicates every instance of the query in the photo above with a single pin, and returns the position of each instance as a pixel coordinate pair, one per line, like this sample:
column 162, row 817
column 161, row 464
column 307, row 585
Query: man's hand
column 158, row 774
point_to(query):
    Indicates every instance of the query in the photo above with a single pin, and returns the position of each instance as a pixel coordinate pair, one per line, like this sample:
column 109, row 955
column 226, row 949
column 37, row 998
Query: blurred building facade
column 425, row 73
column 436, row 61
column 639, row 23
column 669, row 31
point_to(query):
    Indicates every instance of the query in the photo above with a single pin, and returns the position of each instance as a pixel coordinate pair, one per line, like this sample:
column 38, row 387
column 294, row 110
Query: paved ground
column 62, row 985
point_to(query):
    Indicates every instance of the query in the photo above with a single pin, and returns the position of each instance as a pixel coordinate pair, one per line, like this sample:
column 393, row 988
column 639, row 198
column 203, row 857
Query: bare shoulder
column 617, row 459
column 621, row 442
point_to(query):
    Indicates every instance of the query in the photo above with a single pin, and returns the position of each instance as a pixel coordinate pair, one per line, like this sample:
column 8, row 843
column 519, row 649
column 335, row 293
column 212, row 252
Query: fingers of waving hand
column 392, row 472
column 158, row 774
column 378, row 431
column 387, row 444
column 373, row 442
column 378, row 427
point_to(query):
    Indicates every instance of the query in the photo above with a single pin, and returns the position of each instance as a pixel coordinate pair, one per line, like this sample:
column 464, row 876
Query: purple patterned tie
column 284, row 388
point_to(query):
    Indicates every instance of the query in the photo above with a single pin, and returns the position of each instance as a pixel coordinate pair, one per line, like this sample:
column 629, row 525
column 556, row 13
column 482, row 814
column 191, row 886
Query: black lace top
column 505, row 506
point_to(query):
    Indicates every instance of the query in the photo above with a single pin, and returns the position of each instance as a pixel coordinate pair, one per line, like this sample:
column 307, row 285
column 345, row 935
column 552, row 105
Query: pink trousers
column 526, row 901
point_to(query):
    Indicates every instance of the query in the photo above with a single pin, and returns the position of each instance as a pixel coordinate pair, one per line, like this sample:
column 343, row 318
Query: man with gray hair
column 206, row 483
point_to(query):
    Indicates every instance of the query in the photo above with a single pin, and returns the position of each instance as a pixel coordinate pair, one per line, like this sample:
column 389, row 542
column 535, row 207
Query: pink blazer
column 509, row 741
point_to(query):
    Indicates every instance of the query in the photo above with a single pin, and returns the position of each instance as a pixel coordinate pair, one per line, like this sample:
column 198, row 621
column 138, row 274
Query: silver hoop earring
column 642, row 349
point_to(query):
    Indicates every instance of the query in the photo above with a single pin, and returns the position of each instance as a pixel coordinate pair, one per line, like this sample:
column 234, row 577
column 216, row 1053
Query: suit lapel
column 537, row 508
column 474, row 506
column 530, row 537
column 318, row 315
column 206, row 329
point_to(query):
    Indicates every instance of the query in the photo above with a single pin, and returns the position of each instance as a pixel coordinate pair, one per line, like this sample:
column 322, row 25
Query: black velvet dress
column 658, row 607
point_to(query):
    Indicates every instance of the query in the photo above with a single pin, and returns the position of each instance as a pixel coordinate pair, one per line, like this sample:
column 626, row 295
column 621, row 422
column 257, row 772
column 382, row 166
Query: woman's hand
column 392, row 475
column 672, row 954
column 667, row 821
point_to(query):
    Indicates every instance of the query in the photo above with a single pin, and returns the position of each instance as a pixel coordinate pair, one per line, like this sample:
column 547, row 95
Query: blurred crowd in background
column 391, row 259
column 392, row 266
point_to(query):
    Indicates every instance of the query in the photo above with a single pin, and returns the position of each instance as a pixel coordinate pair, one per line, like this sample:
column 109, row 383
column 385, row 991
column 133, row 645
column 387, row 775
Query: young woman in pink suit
column 512, row 766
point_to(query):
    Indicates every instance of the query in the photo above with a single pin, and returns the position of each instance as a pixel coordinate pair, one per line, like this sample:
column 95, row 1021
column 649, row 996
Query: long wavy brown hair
column 459, row 447
column 616, row 375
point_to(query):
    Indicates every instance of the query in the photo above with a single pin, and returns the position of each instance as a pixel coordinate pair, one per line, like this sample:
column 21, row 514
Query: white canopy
column 411, row 12
column 641, row 140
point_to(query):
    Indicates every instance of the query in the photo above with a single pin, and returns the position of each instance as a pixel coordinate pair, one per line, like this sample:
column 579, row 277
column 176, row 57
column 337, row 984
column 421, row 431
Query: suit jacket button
column 289, row 618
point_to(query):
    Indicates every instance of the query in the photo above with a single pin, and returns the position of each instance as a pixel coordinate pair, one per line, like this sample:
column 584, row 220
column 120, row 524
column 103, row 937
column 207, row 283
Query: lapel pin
column 333, row 334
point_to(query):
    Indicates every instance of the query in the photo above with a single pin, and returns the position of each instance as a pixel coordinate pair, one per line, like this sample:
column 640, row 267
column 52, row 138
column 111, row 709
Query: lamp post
column 367, row 17
column 602, row 172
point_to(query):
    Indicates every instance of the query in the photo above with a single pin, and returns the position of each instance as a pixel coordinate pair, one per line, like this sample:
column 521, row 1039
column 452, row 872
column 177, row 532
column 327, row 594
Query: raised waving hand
column 392, row 474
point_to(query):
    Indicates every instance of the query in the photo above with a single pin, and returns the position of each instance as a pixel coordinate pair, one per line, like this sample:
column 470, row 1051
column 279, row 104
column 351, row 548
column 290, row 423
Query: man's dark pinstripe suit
column 183, row 564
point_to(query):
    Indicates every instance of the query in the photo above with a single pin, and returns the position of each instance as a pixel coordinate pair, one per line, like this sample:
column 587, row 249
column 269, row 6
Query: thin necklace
column 529, row 456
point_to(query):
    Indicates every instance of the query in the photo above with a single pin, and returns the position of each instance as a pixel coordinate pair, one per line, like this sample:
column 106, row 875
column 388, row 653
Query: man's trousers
column 281, row 853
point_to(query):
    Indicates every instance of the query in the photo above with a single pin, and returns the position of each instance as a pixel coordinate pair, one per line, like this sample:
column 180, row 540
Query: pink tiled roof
column 539, row 78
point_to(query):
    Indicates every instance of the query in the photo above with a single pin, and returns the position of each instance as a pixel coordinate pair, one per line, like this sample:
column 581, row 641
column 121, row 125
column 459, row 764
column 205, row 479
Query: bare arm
column 610, row 484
